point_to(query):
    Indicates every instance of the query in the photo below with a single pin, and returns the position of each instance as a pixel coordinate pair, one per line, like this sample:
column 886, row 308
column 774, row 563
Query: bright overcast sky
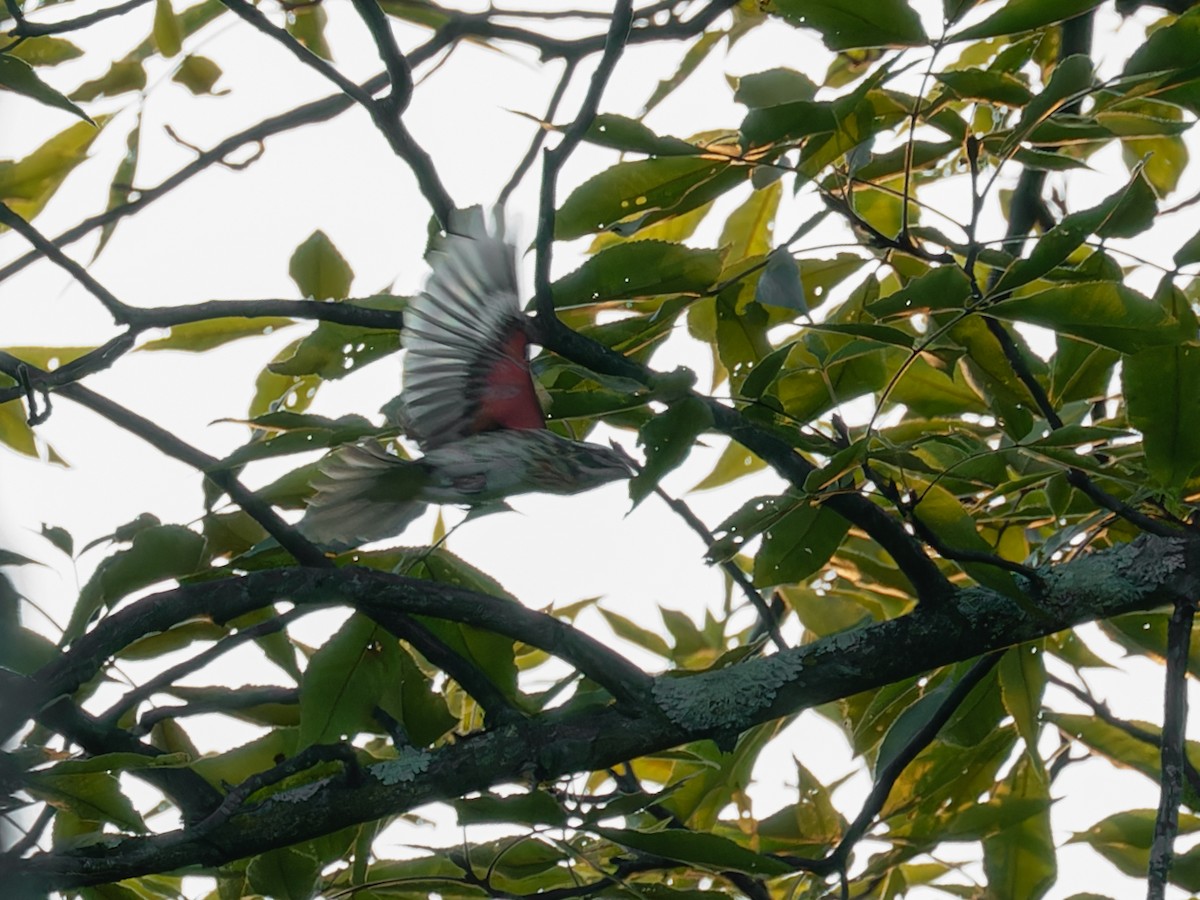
column 229, row 234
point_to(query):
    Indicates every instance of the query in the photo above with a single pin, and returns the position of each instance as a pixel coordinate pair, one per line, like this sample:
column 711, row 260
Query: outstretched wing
column 363, row 493
column 467, row 368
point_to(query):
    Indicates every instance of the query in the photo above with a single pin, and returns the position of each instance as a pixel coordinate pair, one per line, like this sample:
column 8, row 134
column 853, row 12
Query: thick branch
column 718, row 703
column 377, row 594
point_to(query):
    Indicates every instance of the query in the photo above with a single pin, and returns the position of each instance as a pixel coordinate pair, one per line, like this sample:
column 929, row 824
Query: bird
column 467, row 399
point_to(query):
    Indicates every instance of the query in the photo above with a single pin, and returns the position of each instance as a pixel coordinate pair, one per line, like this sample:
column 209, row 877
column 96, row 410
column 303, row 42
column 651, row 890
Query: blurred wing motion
column 467, row 367
column 363, row 493
column 468, row 400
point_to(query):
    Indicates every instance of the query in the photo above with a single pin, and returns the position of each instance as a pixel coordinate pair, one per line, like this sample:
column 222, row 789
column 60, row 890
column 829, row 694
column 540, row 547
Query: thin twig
column 497, row 708
column 119, row 311
column 310, row 756
column 102, row 357
column 231, row 700
column 1174, row 748
column 25, row 28
column 384, row 116
column 288, row 537
column 540, row 136
column 554, row 159
column 885, row 778
column 1104, row 714
column 766, row 618
column 200, row 660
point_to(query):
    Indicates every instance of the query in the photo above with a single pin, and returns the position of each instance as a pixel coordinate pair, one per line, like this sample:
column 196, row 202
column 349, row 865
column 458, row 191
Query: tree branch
column 1174, row 748
column 930, row 585
column 289, row 538
column 554, row 159
column 385, row 115
column 1121, row 579
column 119, row 311
column 26, row 29
column 398, row 72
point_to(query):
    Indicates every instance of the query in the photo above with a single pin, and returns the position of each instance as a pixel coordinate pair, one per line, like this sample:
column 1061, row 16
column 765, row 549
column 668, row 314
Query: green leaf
column 747, row 231
column 1020, row 860
column 1121, row 748
column 236, row 765
column 943, row 287
column 752, row 518
column 410, row 698
column 1189, row 252
column 940, row 512
column 17, row 76
column 533, row 808
column 27, row 184
column 1162, row 397
column 798, row 545
column 734, row 462
column 811, row 820
column 695, row 55
column 1130, row 202
column 779, row 285
column 983, row 84
column 773, row 87
column 59, row 537
column 333, row 351
column 197, row 337
column 1101, row 312
column 632, row 194
column 15, row 431
column 850, row 24
column 122, row 76
column 95, row 797
column 198, row 74
column 741, row 336
column 343, row 681
column 1070, row 79
column 707, row 851
column 1172, row 49
column 319, row 270
column 668, row 439
column 21, row 650
column 909, row 724
column 157, row 553
column 167, row 33
column 121, row 187
column 787, row 121
column 44, row 50
column 288, row 873
column 632, row 136
column 115, row 762
column 638, row 269
column 1124, row 839
column 1016, row 16
column 1022, row 673
column 635, row 634
column 307, row 25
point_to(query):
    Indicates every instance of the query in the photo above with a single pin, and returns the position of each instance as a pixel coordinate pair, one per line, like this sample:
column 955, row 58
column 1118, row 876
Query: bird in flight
column 467, row 399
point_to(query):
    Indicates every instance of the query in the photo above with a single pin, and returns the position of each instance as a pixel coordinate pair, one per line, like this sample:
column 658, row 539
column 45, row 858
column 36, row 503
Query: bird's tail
column 363, row 494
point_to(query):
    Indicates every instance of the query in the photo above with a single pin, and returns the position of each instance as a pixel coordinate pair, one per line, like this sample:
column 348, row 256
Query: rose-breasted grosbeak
column 468, row 401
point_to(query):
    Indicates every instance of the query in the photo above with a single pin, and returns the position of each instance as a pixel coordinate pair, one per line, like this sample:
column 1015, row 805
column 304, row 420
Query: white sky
column 229, row 235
